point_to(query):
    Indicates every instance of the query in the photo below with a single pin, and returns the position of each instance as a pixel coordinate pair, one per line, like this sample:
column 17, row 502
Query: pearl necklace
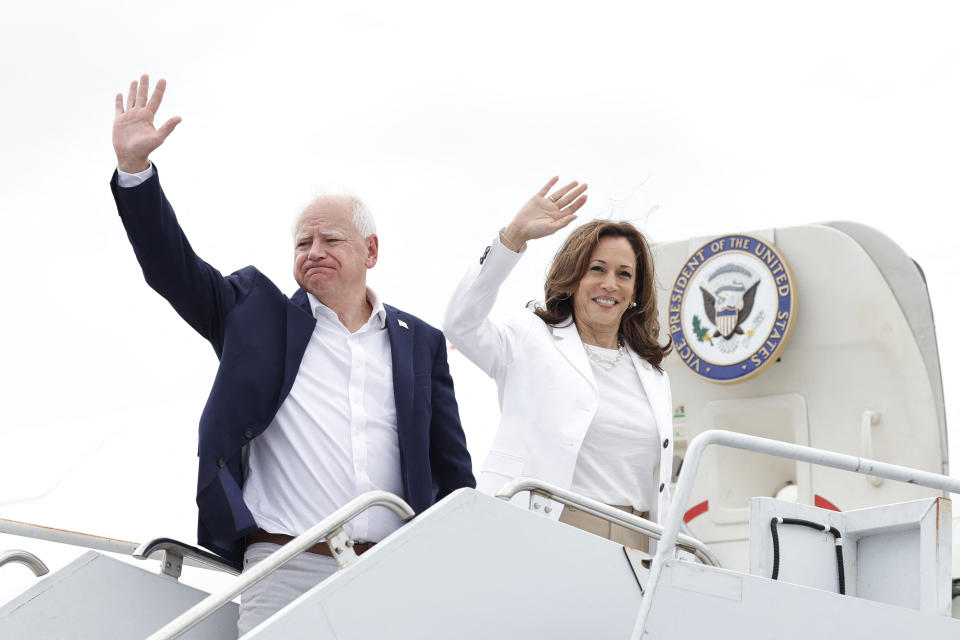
column 602, row 362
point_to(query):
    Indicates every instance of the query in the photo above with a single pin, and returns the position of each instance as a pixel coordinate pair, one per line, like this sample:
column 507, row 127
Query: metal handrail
column 298, row 545
column 779, row 449
column 25, row 558
column 77, row 539
column 174, row 554
column 606, row 512
column 51, row 534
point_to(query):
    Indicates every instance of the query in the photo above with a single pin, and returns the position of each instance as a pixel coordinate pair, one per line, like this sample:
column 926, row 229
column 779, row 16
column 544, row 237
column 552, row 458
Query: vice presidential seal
column 731, row 308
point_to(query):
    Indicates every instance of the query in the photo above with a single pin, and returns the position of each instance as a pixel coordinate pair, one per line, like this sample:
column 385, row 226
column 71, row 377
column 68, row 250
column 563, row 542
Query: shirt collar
column 321, row 310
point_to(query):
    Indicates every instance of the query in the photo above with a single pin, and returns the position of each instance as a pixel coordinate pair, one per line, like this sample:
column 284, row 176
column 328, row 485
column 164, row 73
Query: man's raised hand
column 134, row 136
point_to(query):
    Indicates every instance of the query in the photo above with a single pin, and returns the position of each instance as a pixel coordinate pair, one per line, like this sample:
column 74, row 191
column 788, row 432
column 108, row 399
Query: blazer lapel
column 568, row 342
column 300, row 324
column 400, row 333
column 654, row 386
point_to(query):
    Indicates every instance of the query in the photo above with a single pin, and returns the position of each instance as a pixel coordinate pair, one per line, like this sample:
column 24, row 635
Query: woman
column 584, row 402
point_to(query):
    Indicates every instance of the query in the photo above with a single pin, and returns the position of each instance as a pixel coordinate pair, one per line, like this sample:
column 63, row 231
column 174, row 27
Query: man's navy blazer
column 260, row 335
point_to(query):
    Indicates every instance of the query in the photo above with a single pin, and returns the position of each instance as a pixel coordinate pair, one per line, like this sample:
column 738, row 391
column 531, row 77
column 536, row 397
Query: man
column 318, row 398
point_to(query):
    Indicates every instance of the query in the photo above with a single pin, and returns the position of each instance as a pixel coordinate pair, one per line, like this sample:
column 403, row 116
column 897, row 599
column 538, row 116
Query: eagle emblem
column 731, row 300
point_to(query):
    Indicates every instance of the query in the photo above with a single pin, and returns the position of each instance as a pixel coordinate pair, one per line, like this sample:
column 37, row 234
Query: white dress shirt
column 335, row 435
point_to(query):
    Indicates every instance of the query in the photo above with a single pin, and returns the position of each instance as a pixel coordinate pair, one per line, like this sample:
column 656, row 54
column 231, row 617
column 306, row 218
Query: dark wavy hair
column 639, row 326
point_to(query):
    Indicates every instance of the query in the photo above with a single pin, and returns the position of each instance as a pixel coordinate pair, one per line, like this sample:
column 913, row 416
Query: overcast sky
column 690, row 119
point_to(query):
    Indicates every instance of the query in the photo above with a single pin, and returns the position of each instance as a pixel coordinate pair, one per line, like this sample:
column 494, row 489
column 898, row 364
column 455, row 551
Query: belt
column 321, row 548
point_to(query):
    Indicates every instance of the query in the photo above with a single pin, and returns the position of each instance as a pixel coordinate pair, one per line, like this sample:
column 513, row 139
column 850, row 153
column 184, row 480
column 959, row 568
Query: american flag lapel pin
column 402, row 323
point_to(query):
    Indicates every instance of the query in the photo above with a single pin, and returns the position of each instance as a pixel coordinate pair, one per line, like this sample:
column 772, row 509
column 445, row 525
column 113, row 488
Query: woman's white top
column 621, row 450
column 547, row 389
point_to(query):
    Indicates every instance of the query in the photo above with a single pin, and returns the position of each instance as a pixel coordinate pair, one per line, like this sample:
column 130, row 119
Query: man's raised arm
column 198, row 292
column 134, row 136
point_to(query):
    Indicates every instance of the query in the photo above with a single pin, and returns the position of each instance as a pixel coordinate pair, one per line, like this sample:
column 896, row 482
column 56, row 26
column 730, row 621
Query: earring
column 632, row 305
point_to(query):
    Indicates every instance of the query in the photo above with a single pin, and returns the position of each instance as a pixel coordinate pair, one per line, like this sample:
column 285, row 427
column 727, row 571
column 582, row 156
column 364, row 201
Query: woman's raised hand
column 545, row 213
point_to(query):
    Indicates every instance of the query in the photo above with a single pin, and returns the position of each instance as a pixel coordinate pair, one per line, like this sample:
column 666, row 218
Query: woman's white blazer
column 548, row 396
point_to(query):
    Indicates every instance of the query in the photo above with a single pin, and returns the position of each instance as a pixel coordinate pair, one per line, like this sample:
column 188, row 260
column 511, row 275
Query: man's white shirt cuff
column 126, row 180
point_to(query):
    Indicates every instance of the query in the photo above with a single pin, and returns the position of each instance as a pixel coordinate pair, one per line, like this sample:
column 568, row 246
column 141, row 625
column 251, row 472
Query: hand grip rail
column 326, row 528
column 788, row 450
column 605, row 511
column 174, row 553
column 25, row 558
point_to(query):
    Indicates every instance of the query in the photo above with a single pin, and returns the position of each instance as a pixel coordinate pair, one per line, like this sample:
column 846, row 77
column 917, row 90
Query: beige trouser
column 280, row 588
column 606, row 529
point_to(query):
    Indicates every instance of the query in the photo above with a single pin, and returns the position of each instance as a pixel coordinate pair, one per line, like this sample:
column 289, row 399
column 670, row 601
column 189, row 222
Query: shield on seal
column 727, row 321
column 727, row 318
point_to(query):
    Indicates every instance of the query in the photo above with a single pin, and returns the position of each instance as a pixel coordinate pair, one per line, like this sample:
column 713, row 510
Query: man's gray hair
column 362, row 217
